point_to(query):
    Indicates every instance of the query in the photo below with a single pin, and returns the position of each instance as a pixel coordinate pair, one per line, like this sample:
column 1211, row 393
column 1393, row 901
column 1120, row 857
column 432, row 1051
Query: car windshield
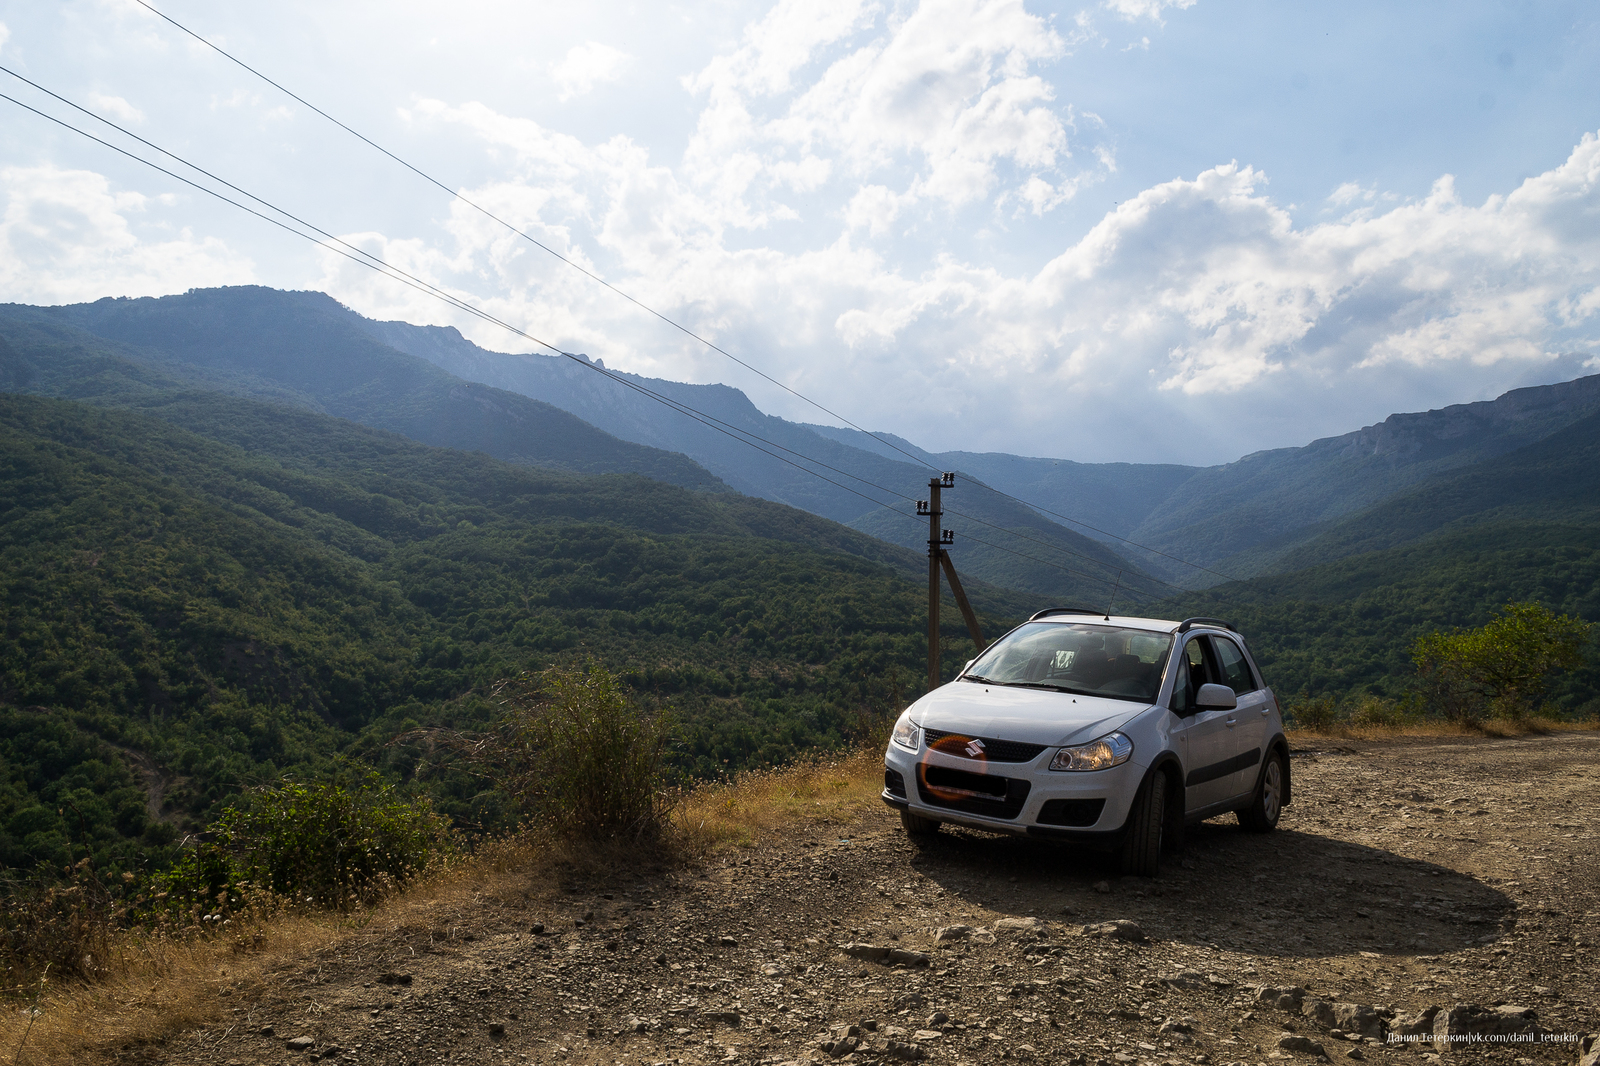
column 1090, row 660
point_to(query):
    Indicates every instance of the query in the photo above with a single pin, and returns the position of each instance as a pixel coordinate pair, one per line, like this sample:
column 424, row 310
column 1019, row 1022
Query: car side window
column 1192, row 673
column 1235, row 671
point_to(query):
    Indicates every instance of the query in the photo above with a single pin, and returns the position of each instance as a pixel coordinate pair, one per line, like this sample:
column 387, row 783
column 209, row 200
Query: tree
column 1503, row 666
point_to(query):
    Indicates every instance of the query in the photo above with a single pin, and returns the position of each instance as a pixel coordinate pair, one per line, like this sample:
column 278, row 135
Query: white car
column 1108, row 730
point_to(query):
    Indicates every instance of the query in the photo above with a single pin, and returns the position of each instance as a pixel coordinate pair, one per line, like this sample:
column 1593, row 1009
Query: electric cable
column 455, row 301
column 457, row 194
column 375, row 263
column 379, row 265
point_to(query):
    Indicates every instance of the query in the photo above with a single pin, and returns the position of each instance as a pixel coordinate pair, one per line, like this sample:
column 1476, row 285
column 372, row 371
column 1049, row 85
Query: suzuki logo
column 974, row 748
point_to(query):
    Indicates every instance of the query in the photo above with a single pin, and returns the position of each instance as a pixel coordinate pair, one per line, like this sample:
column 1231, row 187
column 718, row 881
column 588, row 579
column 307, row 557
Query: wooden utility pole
column 939, row 559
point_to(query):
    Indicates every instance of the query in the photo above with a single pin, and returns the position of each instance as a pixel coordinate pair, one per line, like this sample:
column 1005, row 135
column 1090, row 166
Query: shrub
column 1373, row 710
column 331, row 844
column 58, row 927
column 1504, row 665
column 588, row 764
column 1318, row 714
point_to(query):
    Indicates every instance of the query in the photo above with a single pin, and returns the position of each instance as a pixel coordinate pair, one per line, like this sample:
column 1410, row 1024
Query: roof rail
column 1048, row 611
column 1189, row 623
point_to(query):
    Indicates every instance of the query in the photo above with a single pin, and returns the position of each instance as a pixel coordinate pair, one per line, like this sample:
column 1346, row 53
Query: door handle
column 1265, row 711
column 1232, row 722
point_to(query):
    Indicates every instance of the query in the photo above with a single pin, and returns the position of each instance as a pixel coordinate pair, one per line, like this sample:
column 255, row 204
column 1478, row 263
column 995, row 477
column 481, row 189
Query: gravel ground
column 1408, row 874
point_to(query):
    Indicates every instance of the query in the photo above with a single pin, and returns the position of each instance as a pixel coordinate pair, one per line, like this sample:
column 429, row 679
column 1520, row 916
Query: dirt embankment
column 1407, row 875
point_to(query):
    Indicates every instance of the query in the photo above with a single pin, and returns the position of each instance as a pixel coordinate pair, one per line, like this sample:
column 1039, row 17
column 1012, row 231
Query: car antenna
column 1113, row 598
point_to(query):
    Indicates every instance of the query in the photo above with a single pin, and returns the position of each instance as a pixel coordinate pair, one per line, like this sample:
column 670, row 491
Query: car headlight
column 1102, row 754
column 907, row 735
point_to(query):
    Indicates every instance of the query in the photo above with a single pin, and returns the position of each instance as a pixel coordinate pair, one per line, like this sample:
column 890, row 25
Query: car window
column 1235, row 671
column 1194, row 670
column 1078, row 657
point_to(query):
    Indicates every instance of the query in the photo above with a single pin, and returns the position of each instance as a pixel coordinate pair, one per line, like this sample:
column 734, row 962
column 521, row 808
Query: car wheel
column 1262, row 814
column 918, row 826
column 1140, row 852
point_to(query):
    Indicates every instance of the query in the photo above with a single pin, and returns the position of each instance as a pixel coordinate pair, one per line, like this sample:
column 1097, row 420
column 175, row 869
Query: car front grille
column 958, row 790
column 993, row 750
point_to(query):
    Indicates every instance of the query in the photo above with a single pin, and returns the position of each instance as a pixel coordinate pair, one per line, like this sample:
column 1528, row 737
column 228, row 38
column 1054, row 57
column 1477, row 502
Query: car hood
column 1028, row 715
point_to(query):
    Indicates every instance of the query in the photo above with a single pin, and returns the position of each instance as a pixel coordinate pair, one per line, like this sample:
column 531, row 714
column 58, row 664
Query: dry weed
column 1491, row 727
column 744, row 808
column 154, row 987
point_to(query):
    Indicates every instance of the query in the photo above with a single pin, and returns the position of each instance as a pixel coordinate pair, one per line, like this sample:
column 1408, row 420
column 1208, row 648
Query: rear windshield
column 1090, row 660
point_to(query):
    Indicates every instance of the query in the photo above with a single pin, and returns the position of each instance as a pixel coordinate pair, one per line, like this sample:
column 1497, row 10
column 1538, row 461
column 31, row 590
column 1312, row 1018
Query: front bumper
column 1026, row 799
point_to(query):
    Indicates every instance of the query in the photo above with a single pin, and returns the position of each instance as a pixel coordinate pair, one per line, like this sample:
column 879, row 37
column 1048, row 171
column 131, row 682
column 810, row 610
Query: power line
column 523, row 234
column 457, row 194
column 381, row 266
column 697, row 415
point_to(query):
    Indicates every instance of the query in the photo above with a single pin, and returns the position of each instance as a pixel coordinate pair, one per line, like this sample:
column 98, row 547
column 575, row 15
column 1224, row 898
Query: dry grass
column 1492, row 727
column 159, row 986
column 156, row 987
column 748, row 807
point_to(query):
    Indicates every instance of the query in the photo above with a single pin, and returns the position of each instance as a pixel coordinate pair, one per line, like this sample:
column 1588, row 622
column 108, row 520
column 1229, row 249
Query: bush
column 1318, row 714
column 60, row 929
column 330, row 844
column 1503, row 666
column 1371, row 710
column 588, row 764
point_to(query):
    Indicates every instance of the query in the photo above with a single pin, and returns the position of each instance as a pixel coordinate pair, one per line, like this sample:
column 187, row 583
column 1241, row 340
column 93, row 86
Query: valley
column 249, row 533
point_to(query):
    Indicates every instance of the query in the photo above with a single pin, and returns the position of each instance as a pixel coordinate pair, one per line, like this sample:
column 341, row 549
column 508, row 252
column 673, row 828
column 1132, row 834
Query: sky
column 1126, row 230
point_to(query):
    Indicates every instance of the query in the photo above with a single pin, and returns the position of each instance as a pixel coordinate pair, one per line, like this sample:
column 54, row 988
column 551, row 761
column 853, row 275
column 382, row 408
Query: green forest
column 212, row 585
column 197, row 614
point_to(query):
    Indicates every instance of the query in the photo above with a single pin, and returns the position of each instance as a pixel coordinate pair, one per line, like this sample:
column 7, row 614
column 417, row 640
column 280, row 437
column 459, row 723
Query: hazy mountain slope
column 1256, row 502
column 302, row 348
column 320, row 352
column 1555, row 480
column 1347, row 626
column 87, row 368
column 1113, row 498
column 852, row 478
column 1064, row 568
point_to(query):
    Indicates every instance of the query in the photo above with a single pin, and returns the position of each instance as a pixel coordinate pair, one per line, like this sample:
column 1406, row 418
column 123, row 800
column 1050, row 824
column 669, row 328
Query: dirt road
column 1407, row 874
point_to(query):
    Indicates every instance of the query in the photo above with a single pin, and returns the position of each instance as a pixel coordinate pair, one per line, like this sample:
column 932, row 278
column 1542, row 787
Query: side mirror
column 1216, row 698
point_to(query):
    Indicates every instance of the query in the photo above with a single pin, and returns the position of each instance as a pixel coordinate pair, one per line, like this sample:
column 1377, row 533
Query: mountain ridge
column 1237, row 518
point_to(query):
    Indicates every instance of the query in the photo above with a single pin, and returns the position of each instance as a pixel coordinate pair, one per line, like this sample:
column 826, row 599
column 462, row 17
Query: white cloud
column 5, row 35
column 587, row 65
column 116, row 107
column 1181, row 309
column 1146, row 9
column 942, row 103
column 66, row 236
column 848, row 213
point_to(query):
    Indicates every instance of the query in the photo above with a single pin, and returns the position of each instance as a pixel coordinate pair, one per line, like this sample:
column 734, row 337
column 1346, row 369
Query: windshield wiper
column 980, row 679
column 1052, row 688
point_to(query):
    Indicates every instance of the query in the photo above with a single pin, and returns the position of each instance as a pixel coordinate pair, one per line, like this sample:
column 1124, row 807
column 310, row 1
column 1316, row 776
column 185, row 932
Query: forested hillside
column 431, row 385
column 998, row 539
column 1241, row 518
column 209, row 581
column 1346, row 627
column 212, row 591
column 301, row 349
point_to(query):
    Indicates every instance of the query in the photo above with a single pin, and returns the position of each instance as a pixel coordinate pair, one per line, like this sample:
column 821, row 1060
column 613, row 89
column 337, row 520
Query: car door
column 1205, row 737
column 1248, row 737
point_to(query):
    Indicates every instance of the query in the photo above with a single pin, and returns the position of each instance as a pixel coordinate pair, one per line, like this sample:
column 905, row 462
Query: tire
column 1267, row 804
column 1140, row 851
column 916, row 825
